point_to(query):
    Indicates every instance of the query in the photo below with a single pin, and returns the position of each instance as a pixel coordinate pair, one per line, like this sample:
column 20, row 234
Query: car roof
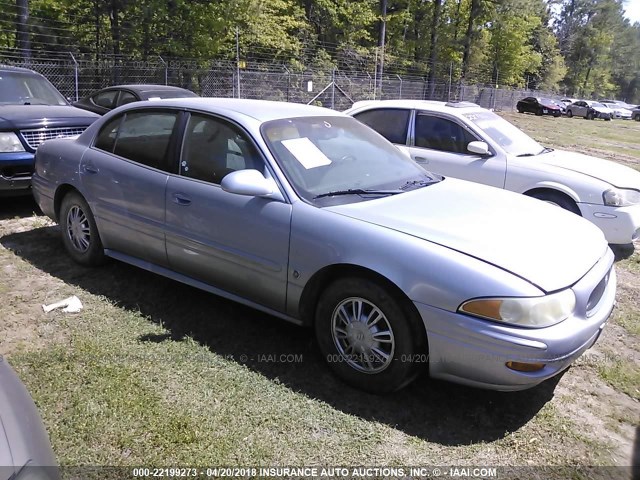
column 261, row 110
column 144, row 87
column 432, row 105
column 11, row 68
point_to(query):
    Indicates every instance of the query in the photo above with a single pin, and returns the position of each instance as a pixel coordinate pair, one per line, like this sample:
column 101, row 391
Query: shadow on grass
column 432, row 410
column 21, row 207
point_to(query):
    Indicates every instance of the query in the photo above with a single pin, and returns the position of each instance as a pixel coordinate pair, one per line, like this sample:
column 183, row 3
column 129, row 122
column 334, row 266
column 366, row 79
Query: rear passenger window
column 107, row 136
column 388, row 122
column 142, row 137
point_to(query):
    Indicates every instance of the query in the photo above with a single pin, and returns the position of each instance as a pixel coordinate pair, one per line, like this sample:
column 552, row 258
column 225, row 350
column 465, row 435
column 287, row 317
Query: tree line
column 582, row 48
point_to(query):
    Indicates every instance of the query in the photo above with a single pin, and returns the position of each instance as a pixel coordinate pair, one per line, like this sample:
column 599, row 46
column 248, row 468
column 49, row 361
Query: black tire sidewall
column 95, row 253
column 559, row 199
column 409, row 352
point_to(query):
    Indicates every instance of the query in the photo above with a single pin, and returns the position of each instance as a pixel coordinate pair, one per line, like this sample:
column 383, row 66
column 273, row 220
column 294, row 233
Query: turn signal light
column 525, row 367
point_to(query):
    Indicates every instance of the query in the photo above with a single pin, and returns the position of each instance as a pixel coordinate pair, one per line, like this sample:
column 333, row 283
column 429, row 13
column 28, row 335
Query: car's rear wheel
column 79, row 231
column 569, row 113
column 558, row 199
column 370, row 338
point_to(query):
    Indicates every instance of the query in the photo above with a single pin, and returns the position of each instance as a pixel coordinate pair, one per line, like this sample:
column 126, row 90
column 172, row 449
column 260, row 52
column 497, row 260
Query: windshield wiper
column 418, row 183
column 359, row 191
column 544, row 150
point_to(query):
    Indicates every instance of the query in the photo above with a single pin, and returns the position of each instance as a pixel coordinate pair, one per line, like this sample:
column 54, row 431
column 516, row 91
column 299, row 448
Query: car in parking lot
column 25, row 451
column 311, row 216
column 590, row 110
column 31, row 111
column 539, row 106
column 619, row 111
column 108, row 98
column 635, row 113
column 463, row 140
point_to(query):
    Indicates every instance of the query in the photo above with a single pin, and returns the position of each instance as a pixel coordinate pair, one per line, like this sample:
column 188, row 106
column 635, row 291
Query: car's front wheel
column 558, row 199
column 369, row 337
column 79, row 231
column 590, row 116
column 569, row 113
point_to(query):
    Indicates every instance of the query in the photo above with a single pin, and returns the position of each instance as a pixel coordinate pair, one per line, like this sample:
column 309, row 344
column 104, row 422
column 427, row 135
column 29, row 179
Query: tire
column 380, row 357
column 79, row 231
column 557, row 114
column 590, row 116
column 539, row 112
column 520, row 110
column 637, row 117
column 557, row 199
column 569, row 113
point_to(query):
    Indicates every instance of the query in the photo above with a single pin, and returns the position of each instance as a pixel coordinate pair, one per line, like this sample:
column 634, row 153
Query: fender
column 549, row 185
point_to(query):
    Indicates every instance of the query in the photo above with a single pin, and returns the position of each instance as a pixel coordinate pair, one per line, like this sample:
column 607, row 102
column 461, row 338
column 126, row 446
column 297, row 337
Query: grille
column 35, row 137
column 597, row 293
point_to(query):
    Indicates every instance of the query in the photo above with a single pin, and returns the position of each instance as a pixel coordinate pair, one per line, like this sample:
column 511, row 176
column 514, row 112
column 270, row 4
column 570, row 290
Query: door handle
column 90, row 168
column 181, row 199
column 421, row 159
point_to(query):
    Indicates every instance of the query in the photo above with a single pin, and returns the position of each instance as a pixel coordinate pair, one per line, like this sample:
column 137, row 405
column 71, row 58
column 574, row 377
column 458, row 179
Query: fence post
column 400, row 92
column 333, row 88
column 450, row 79
column 288, row 80
column 75, row 72
column 166, row 72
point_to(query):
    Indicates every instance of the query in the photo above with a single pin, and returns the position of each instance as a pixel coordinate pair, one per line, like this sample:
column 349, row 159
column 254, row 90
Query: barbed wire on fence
column 78, row 75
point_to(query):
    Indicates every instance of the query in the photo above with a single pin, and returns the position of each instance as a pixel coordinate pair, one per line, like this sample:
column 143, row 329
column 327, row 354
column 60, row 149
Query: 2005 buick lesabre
column 309, row 215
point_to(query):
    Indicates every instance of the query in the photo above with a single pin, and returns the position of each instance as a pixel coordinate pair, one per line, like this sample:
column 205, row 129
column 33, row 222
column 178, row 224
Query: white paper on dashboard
column 306, row 152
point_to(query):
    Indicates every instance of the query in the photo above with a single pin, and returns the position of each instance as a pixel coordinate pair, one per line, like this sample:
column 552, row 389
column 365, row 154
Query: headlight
column 621, row 197
column 9, row 142
column 524, row 311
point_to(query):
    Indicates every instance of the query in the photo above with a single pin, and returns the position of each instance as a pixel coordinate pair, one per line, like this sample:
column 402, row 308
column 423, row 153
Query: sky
column 632, row 10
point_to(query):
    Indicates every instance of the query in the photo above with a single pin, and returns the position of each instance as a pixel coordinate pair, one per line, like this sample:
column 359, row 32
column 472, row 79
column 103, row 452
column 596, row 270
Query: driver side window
column 441, row 134
column 213, row 148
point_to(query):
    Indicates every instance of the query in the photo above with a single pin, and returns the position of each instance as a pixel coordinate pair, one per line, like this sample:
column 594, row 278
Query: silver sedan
column 311, row 216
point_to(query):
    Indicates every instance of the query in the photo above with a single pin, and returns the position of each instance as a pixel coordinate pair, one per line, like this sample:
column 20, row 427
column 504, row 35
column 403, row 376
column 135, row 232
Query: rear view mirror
column 480, row 148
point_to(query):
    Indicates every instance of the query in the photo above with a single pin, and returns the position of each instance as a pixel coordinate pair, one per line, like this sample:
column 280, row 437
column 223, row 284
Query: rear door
column 237, row 243
column 124, row 177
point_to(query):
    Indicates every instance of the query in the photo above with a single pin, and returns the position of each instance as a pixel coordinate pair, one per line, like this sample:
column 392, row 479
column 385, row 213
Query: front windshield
column 325, row 158
column 18, row 88
column 597, row 104
column 508, row 136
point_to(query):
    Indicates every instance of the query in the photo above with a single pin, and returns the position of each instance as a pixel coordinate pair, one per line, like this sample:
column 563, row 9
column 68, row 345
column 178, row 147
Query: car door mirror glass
column 480, row 148
column 247, row 182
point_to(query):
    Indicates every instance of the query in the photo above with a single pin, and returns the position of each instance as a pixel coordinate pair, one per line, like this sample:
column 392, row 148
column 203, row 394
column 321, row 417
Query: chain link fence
column 77, row 77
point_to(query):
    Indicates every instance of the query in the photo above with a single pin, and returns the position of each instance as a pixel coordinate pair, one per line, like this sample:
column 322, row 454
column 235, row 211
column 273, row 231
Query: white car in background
column 463, row 140
column 590, row 110
column 619, row 111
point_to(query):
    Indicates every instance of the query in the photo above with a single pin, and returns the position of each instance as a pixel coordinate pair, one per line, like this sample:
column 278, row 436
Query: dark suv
column 31, row 111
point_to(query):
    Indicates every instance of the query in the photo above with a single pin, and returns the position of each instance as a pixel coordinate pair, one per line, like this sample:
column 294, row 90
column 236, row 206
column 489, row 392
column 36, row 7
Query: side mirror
column 247, row 182
column 480, row 148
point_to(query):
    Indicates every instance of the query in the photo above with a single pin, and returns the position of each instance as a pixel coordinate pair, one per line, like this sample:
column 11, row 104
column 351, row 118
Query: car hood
column 602, row 109
column 610, row 172
column 32, row 116
column 543, row 244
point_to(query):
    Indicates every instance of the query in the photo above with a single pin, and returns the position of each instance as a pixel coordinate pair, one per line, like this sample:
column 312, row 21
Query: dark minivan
column 31, row 111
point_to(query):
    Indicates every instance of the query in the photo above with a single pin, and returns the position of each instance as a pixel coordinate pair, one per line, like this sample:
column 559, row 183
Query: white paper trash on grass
column 71, row 305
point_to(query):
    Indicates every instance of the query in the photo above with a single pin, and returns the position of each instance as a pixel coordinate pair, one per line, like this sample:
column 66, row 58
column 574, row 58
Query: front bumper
column 15, row 172
column 474, row 352
column 620, row 225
